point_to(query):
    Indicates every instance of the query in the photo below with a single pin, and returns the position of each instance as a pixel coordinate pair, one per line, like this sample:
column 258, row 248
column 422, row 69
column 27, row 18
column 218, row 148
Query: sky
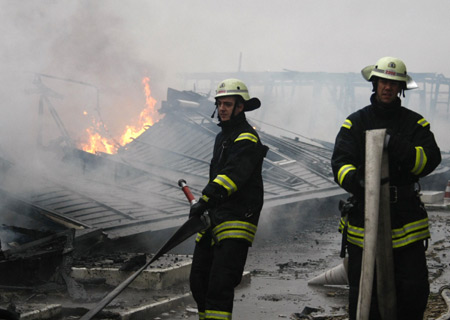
column 107, row 47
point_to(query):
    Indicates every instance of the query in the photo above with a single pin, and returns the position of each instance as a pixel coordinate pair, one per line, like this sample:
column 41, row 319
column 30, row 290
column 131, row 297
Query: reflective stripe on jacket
column 235, row 192
column 413, row 153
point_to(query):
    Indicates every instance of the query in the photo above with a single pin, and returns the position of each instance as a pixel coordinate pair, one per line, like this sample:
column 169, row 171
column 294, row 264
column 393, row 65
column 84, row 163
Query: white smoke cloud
column 112, row 45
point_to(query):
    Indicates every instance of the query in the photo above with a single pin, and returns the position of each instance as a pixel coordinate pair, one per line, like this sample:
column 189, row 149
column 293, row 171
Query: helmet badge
column 392, row 65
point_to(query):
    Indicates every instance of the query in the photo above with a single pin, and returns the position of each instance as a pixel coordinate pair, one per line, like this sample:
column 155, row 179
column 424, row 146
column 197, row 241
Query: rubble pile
column 127, row 261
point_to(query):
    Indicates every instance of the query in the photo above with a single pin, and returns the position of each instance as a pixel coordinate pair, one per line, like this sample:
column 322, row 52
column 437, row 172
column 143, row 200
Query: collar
column 236, row 120
column 387, row 109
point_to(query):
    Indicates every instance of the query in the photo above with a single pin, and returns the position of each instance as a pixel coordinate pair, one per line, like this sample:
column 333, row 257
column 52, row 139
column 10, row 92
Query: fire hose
column 445, row 294
column 190, row 227
column 377, row 232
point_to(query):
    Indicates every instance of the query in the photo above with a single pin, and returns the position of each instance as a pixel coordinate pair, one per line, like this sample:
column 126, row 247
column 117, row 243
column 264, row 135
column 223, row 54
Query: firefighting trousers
column 216, row 271
column 411, row 282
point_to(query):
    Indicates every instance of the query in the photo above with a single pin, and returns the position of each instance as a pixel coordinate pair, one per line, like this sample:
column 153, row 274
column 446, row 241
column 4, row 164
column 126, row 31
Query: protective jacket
column 413, row 153
column 234, row 193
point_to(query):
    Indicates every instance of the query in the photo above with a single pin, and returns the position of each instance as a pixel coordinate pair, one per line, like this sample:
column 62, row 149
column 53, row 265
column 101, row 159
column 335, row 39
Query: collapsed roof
column 135, row 191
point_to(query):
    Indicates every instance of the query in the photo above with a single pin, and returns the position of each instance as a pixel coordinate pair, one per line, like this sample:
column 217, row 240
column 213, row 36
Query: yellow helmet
column 235, row 87
column 389, row 68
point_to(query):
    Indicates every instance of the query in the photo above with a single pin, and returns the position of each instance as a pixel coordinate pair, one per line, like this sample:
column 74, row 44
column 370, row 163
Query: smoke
column 83, row 49
column 112, row 45
column 89, row 58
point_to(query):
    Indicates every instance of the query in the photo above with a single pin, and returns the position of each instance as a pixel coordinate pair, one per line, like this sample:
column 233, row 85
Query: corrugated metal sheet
column 137, row 191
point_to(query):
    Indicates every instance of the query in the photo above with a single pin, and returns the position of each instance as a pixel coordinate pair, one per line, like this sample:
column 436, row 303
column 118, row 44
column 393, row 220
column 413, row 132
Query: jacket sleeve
column 347, row 162
column 245, row 154
column 416, row 154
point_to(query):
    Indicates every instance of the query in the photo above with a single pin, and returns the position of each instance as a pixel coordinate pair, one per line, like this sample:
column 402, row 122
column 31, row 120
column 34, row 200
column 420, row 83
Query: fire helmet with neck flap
column 389, row 68
column 235, row 87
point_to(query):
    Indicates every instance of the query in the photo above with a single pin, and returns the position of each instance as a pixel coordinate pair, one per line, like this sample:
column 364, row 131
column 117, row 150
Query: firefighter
column 413, row 154
column 233, row 198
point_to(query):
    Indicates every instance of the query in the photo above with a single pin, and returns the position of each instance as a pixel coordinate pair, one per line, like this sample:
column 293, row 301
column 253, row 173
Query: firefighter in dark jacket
column 413, row 153
column 233, row 198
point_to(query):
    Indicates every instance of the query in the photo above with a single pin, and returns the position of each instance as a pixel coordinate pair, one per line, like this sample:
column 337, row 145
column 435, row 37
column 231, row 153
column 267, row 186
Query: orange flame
column 148, row 116
column 97, row 143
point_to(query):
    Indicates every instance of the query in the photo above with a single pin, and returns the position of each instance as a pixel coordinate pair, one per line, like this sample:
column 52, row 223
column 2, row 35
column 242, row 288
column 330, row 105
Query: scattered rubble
column 127, row 261
column 282, row 263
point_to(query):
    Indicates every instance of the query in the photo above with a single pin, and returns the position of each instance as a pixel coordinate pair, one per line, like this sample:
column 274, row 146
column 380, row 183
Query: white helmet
column 235, row 87
column 389, row 68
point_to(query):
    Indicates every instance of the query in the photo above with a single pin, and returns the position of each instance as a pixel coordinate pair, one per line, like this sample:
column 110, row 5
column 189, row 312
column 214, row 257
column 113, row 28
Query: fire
column 148, row 117
column 97, row 143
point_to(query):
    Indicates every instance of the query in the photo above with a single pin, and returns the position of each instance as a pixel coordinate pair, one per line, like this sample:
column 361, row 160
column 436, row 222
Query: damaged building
column 74, row 204
column 73, row 207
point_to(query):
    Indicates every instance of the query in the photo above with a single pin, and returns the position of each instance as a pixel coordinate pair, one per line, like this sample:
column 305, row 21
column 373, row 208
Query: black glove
column 197, row 209
column 216, row 194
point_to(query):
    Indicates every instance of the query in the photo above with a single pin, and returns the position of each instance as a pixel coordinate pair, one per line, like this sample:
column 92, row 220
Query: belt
column 402, row 193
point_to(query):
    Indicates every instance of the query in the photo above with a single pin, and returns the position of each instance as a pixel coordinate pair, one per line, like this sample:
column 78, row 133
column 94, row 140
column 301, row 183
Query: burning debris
column 84, row 222
column 99, row 138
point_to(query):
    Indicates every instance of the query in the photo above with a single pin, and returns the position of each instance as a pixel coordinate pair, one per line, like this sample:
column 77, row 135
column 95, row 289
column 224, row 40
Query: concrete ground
column 281, row 266
column 287, row 253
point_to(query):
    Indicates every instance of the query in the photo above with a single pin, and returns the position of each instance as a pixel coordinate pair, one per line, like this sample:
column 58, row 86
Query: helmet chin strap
column 234, row 109
column 215, row 109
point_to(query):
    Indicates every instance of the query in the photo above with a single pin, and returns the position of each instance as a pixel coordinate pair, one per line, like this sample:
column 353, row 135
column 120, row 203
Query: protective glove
column 216, row 194
column 198, row 208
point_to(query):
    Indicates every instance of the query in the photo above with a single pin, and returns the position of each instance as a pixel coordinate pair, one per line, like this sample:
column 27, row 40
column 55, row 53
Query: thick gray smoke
column 112, row 45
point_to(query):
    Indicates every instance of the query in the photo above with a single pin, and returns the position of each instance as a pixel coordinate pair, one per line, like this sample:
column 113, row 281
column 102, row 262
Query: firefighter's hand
column 198, row 208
